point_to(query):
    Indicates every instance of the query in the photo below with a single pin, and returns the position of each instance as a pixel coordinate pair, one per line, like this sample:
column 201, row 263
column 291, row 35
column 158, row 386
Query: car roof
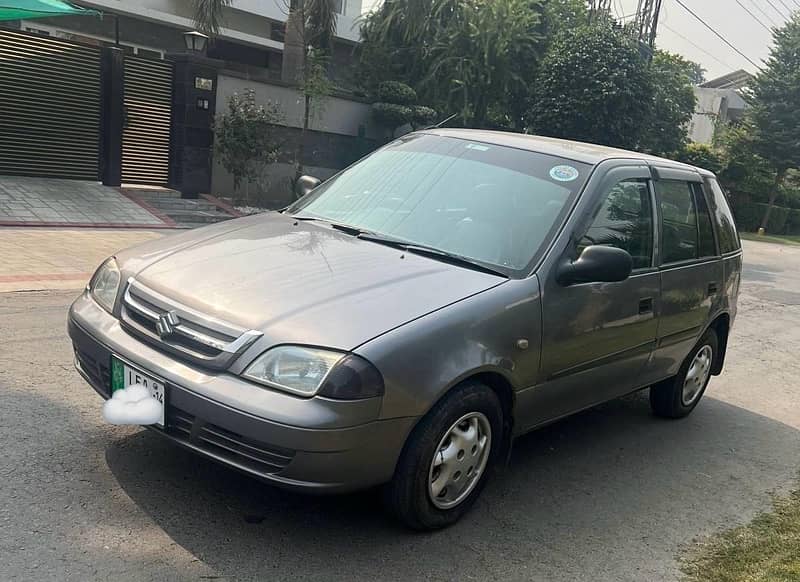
column 587, row 153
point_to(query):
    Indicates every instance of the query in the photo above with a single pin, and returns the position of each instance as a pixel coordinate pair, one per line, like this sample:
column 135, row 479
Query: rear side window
column 679, row 229
column 726, row 227
column 707, row 246
column 625, row 221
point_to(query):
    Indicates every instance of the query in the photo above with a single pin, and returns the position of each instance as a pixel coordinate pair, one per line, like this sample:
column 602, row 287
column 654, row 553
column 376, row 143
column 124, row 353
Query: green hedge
column 781, row 220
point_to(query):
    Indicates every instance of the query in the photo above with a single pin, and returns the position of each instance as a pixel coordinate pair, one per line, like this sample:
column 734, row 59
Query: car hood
column 299, row 281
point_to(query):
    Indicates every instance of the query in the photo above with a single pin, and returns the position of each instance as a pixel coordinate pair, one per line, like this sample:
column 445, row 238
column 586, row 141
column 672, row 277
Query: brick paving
column 43, row 201
column 59, row 258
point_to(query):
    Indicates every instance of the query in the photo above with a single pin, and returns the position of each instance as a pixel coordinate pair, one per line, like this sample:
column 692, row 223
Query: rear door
column 690, row 267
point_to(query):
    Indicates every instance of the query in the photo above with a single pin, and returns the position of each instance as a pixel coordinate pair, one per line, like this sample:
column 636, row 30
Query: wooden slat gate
column 49, row 107
column 148, row 116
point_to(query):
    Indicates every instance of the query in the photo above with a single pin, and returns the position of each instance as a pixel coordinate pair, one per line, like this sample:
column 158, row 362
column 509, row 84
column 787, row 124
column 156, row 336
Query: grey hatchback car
column 403, row 321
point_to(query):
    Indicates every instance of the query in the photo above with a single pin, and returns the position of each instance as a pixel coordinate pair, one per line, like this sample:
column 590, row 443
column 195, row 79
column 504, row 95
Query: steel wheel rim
column 697, row 375
column 459, row 460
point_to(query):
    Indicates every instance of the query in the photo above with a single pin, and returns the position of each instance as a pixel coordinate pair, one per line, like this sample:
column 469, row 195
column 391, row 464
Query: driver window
column 625, row 221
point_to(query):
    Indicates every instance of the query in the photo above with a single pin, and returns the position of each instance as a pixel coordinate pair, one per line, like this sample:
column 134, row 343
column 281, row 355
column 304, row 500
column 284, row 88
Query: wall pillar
column 112, row 75
column 194, row 103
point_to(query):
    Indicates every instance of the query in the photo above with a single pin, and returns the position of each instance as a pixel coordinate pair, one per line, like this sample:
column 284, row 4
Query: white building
column 252, row 34
column 719, row 101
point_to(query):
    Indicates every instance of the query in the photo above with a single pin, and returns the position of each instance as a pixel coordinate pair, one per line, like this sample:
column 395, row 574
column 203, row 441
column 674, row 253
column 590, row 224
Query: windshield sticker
column 563, row 173
column 480, row 148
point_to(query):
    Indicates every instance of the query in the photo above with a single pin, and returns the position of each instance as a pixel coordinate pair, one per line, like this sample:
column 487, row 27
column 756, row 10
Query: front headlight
column 314, row 371
column 105, row 284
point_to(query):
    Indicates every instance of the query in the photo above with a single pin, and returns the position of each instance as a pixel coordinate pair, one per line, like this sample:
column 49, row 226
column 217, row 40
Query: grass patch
column 765, row 550
column 773, row 238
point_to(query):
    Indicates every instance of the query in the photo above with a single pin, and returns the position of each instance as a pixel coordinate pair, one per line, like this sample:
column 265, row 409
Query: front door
column 597, row 337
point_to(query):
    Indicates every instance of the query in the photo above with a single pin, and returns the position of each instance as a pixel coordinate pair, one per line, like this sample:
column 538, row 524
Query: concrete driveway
column 610, row 494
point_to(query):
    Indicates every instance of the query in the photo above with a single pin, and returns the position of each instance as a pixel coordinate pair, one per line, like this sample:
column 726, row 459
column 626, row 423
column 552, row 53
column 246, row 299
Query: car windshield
column 492, row 204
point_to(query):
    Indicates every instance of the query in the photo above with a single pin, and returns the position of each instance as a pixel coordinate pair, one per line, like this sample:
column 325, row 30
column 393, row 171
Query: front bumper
column 330, row 446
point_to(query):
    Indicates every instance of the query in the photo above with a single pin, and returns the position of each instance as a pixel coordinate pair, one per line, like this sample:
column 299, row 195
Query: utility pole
column 647, row 24
column 597, row 8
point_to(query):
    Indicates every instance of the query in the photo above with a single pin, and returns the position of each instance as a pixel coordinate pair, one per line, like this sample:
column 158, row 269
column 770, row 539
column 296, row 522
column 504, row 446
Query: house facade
column 251, row 38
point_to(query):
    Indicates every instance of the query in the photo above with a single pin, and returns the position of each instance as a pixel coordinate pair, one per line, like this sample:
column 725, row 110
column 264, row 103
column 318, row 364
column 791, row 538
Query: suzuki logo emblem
column 166, row 323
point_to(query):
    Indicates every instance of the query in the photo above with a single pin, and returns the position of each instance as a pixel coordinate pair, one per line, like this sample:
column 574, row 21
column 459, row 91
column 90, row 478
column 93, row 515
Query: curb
column 45, row 277
column 151, row 209
column 39, row 223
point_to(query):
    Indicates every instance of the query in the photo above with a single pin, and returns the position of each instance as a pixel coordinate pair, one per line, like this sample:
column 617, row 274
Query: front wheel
column 676, row 397
column 447, row 459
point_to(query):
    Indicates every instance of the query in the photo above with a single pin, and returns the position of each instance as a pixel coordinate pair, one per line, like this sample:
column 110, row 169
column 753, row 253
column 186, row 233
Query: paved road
column 610, row 494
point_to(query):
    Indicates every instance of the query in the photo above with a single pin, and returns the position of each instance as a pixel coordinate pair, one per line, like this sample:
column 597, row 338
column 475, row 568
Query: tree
column 593, row 86
column 775, row 114
column 703, row 156
column 208, row 15
column 665, row 133
column 310, row 28
column 244, row 139
column 470, row 57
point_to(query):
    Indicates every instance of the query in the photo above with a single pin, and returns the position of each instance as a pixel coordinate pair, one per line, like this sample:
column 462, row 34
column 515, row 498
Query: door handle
column 712, row 289
column 645, row 305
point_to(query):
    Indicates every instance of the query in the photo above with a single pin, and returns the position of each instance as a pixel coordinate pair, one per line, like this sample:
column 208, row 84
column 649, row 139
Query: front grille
column 180, row 330
column 98, row 372
column 231, row 447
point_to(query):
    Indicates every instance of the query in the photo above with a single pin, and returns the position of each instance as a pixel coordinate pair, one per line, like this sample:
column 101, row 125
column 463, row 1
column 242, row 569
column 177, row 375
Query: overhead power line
column 697, row 46
column 746, row 9
column 775, row 8
column 718, row 35
column 763, row 13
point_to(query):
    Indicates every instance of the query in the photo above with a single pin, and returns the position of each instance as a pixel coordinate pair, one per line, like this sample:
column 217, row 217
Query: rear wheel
column 447, row 459
column 677, row 396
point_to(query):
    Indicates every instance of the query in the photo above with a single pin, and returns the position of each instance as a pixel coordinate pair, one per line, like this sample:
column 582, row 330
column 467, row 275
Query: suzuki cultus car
column 402, row 322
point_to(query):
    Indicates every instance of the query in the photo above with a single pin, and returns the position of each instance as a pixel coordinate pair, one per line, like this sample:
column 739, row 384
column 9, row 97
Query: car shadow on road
column 612, row 491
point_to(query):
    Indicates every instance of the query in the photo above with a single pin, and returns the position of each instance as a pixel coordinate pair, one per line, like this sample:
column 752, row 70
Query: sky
column 680, row 32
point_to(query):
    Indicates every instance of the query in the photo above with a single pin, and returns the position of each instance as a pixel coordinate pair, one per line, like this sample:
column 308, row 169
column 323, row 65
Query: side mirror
column 305, row 184
column 597, row 264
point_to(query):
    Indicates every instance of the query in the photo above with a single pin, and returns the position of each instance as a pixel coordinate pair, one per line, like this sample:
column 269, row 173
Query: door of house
column 49, row 106
column 147, row 121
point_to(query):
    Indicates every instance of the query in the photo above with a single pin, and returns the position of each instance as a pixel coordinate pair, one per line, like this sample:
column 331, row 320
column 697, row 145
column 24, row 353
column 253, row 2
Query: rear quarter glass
column 723, row 219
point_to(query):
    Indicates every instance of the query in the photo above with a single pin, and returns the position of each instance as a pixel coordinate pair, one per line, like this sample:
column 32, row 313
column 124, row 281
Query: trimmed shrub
column 423, row 115
column 782, row 220
column 748, row 215
column 397, row 93
column 793, row 222
column 391, row 114
column 777, row 219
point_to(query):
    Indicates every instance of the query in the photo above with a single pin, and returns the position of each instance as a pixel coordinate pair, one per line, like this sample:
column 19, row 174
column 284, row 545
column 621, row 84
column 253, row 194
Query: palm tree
column 208, row 15
column 310, row 28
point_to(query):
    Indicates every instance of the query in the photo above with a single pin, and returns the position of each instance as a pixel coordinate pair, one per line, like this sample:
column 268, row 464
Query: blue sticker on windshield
column 563, row 173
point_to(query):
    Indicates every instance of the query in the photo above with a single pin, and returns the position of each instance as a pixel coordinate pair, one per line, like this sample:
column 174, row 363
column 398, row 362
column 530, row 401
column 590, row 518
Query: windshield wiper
column 431, row 252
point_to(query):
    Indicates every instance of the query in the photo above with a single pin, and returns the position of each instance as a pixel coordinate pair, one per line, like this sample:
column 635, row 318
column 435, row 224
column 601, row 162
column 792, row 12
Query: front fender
column 486, row 332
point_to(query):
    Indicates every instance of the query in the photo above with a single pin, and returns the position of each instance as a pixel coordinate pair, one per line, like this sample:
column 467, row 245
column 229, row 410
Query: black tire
column 666, row 397
column 407, row 495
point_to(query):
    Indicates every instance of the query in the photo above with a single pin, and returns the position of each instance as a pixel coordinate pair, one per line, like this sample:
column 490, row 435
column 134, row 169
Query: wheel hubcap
column 460, row 460
column 697, row 375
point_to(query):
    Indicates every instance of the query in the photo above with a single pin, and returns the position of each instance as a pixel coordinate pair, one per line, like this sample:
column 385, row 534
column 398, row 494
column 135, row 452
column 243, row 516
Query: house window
column 339, row 6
